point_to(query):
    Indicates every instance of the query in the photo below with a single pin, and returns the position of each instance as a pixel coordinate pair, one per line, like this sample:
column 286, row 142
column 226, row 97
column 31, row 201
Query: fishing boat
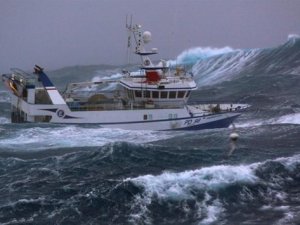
column 154, row 98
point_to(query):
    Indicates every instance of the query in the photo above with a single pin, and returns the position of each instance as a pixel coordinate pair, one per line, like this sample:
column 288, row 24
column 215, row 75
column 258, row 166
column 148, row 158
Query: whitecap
column 4, row 96
column 293, row 118
column 293, row 36
column 192, row 55
column 40, row 138
column 183, row 186
column 114, row 76
column 289, row 119
column 178, row 186
column 170, row 186
column 4, row 120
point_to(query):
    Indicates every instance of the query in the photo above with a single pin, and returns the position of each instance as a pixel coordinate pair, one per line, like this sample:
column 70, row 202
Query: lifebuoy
column 13, row 87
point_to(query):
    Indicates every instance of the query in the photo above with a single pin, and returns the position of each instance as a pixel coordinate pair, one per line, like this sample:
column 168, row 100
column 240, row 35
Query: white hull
column 156, row 119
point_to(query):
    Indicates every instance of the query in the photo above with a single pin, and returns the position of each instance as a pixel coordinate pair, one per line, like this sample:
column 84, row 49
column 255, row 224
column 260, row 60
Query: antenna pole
column 129, row 29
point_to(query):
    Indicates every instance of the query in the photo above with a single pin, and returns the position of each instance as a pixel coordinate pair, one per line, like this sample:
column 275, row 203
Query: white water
column 98, row 78
column 192, row 55
column 4, row 96
column 4, row 120
column 224, row 68
column 293, row 36
column 37, row 138
column 293, row 118
column 289, row 119
column 182, row 186
column 178, row 186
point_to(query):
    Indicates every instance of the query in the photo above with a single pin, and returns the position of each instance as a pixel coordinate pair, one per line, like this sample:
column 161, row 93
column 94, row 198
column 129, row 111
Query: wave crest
column 205, row 194
column 293, row 36
column 193, row 55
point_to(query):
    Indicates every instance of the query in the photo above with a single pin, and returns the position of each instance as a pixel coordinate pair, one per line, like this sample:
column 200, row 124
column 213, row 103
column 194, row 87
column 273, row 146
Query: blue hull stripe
column 147, row 121
column 155, row 121
column 212, row 125
column 223, row 123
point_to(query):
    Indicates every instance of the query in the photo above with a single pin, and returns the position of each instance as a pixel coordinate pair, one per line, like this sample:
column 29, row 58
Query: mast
column 129, row 28
column 141, row 39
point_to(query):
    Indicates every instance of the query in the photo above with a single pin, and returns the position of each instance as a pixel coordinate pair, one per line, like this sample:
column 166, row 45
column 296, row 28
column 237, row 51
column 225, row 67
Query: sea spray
column 193, row 55
column 40, row 138
column 207, row 191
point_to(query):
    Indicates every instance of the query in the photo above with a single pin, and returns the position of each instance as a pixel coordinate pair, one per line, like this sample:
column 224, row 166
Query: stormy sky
column 58, row 33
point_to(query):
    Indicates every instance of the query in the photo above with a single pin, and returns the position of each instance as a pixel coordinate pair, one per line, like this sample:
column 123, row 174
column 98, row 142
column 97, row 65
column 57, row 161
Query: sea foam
column 39, row 138
column 188, row 185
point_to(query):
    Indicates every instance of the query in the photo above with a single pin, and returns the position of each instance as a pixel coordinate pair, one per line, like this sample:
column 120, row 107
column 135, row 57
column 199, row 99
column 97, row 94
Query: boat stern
column 27, row 98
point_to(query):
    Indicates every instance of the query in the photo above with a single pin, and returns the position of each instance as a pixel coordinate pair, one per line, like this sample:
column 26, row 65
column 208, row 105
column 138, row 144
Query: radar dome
column 147, row 37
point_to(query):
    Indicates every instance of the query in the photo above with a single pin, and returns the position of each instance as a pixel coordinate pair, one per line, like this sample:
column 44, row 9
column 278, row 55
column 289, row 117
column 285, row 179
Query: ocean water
column 71, row 174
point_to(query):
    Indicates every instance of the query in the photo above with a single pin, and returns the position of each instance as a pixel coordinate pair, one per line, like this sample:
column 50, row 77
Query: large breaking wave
column 193, row 55
column 284, row 59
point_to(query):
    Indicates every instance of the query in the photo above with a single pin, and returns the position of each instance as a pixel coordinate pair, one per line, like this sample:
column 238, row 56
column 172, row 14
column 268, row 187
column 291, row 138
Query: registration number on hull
column 190, row 122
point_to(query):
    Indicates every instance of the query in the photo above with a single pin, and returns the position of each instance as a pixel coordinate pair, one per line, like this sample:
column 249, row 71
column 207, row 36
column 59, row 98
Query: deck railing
column 122, row 105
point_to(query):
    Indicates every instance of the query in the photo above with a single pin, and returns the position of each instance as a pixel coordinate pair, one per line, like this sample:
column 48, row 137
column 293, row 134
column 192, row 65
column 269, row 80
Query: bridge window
column 164, row 94
column 180, row 94
column 172, row 94
column 155, row 94
column 147, row 94
column 138, row 94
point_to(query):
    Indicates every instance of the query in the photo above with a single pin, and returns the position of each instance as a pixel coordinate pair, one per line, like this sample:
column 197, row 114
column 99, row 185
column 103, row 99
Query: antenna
column 140, row 40
column 129, row 29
